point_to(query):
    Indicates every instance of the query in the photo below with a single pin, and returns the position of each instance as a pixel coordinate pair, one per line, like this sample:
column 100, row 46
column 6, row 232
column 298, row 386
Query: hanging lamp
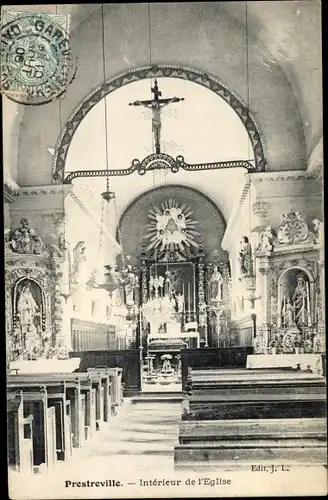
column 107, row 195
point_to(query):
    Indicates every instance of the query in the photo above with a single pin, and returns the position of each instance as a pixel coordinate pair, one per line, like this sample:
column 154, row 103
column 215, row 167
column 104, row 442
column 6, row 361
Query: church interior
column 164, row 251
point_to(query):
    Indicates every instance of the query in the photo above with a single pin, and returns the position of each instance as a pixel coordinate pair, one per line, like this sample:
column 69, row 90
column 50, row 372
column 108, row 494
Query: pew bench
column 255, row 406
column 77, row 386
column 207, row 379
column 56, row 396
column 20, row 435
column 116, row 388
column 102, row 384
column 243, row 442
column 35, row 403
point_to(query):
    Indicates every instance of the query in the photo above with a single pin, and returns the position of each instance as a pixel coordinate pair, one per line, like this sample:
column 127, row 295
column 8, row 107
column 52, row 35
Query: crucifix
column 156, row 104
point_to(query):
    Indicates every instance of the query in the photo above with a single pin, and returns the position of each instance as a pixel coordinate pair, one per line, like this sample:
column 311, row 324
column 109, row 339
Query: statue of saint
column 245, row 258
column 215, row 285
column 170, row 282
column 27, row 309
column 25, row 239
column 318, row 232
column 79, row 258
column 288, row 314
column 266, row 238
column 300, row 301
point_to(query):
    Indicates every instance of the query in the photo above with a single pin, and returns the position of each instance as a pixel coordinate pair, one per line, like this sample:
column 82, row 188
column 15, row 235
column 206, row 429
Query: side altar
column 289, row 260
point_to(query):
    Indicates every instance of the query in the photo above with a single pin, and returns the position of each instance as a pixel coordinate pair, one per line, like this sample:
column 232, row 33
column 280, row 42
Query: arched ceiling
column 280, row 78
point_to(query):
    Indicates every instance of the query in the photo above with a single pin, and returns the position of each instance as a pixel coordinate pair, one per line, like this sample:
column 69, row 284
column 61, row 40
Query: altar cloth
column 313, row 361
column 45, row 365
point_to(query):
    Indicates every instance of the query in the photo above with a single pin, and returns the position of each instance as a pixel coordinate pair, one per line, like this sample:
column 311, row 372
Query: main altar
column 183, row 291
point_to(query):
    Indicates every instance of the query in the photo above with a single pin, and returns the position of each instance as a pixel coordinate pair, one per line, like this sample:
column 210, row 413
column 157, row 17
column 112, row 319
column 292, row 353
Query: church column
column 202, row 315
column 262, row 308
column 143, row 300
column 320, row 313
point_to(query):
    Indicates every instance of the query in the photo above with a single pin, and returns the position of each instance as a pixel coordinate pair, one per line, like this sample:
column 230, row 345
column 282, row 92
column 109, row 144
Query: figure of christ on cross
column 156, row 105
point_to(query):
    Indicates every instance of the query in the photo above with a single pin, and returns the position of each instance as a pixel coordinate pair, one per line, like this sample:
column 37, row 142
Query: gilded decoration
column 33, row 302
column 172, row 232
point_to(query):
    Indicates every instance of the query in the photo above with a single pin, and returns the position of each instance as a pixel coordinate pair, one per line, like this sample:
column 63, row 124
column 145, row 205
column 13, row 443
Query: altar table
column 181, row 336
column 45, row 365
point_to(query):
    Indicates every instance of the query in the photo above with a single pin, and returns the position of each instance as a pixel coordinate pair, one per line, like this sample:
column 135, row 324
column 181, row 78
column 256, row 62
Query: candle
column 308, row 304
column 194, row 302
column 189, row 298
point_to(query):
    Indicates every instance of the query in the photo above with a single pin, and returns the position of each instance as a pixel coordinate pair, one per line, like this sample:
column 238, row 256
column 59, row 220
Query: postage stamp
column 37, row 63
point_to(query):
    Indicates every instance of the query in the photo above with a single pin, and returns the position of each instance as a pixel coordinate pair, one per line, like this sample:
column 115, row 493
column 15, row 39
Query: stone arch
column 161, row 70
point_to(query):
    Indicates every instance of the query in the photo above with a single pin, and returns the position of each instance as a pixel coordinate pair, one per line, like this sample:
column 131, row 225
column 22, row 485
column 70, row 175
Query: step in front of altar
column 235, row 430
column 300, row 452
column 253, row 441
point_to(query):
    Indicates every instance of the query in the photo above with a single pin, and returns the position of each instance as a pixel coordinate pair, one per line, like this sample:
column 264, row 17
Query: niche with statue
column 295, row 300
column 30, row 337
column 296, row 311
column 290, row 284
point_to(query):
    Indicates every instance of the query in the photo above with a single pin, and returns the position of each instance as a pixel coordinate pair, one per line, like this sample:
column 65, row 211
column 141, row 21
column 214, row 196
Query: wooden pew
column 35, row 403
column 115, row 375
column 76, row 386
column 56, row 396
column 207, row 379
column 240, row 394
column 241, row 442
column 20, row 434
column 256, row 406
column 96, row 383
column 104, row 403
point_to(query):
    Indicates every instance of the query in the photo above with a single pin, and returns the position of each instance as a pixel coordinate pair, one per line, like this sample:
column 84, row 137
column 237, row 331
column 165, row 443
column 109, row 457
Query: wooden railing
column 213, row 357
column 89, row 336
column 128, row 360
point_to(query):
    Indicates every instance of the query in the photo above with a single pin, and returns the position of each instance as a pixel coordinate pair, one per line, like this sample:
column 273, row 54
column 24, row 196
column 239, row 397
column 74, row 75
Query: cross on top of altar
column 156, row 104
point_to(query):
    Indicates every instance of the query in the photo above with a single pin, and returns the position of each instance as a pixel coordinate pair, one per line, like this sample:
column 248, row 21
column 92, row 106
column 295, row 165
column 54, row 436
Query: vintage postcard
column 164, row 250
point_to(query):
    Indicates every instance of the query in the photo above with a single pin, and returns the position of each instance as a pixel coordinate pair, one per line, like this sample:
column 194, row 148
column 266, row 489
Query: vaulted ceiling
column 268, row 53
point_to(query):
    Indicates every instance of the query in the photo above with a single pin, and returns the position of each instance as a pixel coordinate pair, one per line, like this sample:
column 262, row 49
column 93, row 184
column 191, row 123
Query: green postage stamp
column 36, row 59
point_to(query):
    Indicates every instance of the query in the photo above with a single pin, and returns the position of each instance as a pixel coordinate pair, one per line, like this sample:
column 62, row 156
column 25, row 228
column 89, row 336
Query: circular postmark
column 37, row 63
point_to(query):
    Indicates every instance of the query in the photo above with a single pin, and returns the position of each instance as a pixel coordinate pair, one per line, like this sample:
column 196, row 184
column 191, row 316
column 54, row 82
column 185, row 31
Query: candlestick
column 194, row 302
column 308, row 304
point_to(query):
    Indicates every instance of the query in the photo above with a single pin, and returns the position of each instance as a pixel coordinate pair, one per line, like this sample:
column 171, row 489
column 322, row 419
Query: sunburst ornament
column 172, row 227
